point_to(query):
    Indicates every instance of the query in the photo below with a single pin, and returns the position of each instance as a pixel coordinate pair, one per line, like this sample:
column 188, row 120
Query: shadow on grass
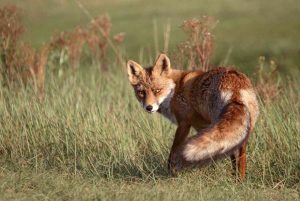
column 149, row 166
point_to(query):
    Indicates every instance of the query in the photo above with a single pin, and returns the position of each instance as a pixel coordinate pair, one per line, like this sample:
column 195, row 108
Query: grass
column 57, row 186
column 90, row 140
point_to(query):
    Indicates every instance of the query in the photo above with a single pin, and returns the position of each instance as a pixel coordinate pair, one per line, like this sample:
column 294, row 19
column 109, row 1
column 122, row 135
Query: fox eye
column 140, row 93
column 156, row 91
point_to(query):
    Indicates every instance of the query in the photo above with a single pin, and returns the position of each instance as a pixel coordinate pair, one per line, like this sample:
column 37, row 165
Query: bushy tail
column 223, row 137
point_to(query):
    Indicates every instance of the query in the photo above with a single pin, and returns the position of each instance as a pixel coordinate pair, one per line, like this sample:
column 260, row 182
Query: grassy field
column 90, row 140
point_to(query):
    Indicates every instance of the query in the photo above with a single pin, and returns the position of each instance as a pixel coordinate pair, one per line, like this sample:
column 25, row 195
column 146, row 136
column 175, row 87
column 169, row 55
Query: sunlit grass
column 91, row 132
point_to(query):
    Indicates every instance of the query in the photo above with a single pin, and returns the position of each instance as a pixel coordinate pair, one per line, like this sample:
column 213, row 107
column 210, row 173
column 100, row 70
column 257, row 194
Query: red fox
column 220, row 104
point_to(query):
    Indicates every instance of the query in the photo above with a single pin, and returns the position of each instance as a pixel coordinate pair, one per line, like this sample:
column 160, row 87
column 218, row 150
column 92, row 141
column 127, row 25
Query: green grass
column 90, row 140
column 57, row 186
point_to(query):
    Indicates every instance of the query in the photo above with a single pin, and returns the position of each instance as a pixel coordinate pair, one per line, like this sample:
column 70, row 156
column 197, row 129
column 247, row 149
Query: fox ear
column 162, row 65
column 135, row 72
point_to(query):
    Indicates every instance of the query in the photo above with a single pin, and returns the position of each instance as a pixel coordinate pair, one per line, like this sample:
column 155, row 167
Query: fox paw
column 174, row 165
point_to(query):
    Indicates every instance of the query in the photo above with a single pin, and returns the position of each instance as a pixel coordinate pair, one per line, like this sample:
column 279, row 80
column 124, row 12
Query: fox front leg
column 182, row 132
column 172, row 169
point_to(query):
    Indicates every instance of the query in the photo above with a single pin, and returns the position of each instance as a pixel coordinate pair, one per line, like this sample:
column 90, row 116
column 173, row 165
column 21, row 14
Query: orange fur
column 220, row 104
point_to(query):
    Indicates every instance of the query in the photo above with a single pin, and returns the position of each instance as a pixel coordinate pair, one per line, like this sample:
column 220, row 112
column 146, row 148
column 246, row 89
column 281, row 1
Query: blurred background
column 245, row 29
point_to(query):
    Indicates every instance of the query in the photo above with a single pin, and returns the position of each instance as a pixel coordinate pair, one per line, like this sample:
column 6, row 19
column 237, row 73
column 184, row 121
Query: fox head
column 153, row 87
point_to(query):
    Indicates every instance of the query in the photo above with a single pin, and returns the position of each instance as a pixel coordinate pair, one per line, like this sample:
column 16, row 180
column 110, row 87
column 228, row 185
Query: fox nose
column 149, row 108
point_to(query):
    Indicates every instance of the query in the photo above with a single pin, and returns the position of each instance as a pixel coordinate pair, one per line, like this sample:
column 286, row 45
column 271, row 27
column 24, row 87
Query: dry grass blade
column 19, row 60
column 97, row 41
column 199, row 46
column 41, row 61
column 103, row 32
column 268, row 83
column 11, row 30
column 73, row 42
